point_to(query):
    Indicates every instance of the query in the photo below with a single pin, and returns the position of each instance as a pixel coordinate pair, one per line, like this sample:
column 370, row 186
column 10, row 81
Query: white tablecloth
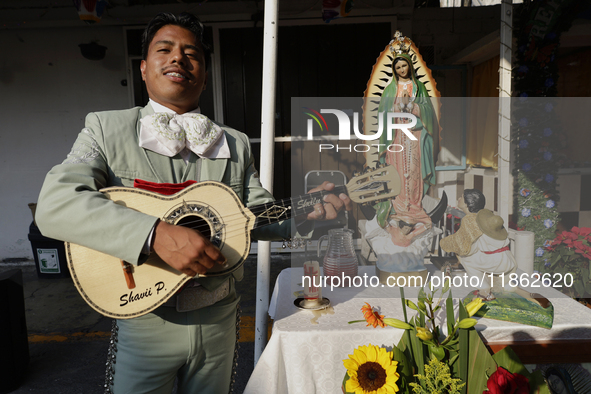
column 302, row 357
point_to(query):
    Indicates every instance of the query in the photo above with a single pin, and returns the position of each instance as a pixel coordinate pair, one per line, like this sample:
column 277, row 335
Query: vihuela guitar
column 120, row 290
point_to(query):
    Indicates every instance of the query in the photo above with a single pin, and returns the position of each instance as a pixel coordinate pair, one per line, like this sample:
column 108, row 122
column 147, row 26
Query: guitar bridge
column 128, row 274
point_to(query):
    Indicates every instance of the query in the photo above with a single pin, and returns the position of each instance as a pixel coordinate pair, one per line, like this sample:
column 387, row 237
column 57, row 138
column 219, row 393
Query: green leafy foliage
column 405, row 369
column 436, row 380
column 533, row 212
column 507, row 359
column 480, row 363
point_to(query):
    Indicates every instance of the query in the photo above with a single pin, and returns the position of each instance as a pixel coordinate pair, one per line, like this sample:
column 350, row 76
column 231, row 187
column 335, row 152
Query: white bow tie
column 168, row 134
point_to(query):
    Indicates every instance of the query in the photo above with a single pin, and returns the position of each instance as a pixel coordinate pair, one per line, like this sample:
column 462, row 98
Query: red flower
column 575, row 230
column 584, row 231
column 580, row 246
column 505, row 382
column 572, row 236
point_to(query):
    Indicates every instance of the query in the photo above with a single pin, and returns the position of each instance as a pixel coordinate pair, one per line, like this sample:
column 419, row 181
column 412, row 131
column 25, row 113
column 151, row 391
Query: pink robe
column 408, row 204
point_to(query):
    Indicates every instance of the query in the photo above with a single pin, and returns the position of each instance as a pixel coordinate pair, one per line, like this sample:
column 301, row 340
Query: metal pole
column 266, row 167
column 505, row 189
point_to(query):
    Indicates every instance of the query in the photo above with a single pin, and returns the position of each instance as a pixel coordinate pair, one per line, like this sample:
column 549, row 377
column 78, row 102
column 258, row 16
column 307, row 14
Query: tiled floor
column 575, row 199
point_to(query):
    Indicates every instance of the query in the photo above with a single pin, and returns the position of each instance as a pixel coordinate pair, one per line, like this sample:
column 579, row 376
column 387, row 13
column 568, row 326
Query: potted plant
column 567, row 264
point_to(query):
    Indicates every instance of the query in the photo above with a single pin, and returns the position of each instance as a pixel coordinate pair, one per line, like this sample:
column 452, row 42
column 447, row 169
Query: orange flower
column 372, row 317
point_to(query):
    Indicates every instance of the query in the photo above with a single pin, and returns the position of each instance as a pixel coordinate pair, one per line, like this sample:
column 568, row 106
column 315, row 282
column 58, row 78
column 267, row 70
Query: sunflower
column 371, row 370
column 373, row 318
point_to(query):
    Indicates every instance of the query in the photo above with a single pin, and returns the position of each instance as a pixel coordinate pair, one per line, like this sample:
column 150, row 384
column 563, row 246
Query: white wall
column 46, row 90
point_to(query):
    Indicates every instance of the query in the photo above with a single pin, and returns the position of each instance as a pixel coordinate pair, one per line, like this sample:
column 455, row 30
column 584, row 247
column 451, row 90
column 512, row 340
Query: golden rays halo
column 381, row 76
column 371, row 370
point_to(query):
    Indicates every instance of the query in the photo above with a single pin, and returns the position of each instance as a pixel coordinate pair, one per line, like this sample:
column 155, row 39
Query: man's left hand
column 332, row 205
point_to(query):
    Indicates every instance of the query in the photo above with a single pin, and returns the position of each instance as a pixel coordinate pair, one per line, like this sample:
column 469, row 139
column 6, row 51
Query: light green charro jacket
column 107, row 153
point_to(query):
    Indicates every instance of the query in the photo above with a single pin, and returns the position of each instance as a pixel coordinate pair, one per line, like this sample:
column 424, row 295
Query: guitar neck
column 287, row 208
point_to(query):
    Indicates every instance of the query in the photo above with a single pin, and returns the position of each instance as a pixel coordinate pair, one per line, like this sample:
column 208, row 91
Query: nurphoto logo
column 402, row 121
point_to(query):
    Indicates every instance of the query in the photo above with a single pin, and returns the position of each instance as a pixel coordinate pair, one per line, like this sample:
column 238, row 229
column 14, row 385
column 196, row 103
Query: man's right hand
column 185, row 249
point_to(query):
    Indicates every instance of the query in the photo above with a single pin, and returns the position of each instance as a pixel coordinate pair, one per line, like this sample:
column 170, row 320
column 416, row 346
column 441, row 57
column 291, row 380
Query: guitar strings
column 202, row 224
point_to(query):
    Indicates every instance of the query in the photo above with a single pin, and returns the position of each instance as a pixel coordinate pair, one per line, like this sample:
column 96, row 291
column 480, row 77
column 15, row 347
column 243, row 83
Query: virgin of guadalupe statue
column 400, row 233
column 413, row 159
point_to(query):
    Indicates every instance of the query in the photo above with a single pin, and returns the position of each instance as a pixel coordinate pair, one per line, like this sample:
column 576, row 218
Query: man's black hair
column 184, row 20
column 474, row 199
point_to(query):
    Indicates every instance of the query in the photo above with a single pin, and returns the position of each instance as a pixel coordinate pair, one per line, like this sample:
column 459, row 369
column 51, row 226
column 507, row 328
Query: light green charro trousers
column 197, row 347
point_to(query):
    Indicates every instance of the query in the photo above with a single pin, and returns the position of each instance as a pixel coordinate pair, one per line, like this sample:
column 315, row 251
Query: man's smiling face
column 174, row 69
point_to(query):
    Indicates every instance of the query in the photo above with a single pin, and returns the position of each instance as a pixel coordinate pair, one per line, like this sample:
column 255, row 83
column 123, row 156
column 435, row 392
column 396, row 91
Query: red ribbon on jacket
column 163, row 188
column 498, row 250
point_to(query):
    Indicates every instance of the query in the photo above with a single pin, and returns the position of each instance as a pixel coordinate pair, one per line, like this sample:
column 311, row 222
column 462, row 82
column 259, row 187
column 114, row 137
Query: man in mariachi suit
column 168, row 141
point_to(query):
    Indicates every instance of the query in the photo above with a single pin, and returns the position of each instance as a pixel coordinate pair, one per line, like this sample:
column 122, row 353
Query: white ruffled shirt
column 219, row 150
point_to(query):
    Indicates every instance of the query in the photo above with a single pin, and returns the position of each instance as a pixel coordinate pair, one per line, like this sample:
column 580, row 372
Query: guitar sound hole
column 198, row 223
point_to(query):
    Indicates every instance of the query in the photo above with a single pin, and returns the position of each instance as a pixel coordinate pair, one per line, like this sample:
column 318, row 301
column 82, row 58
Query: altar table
column 303, row 357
